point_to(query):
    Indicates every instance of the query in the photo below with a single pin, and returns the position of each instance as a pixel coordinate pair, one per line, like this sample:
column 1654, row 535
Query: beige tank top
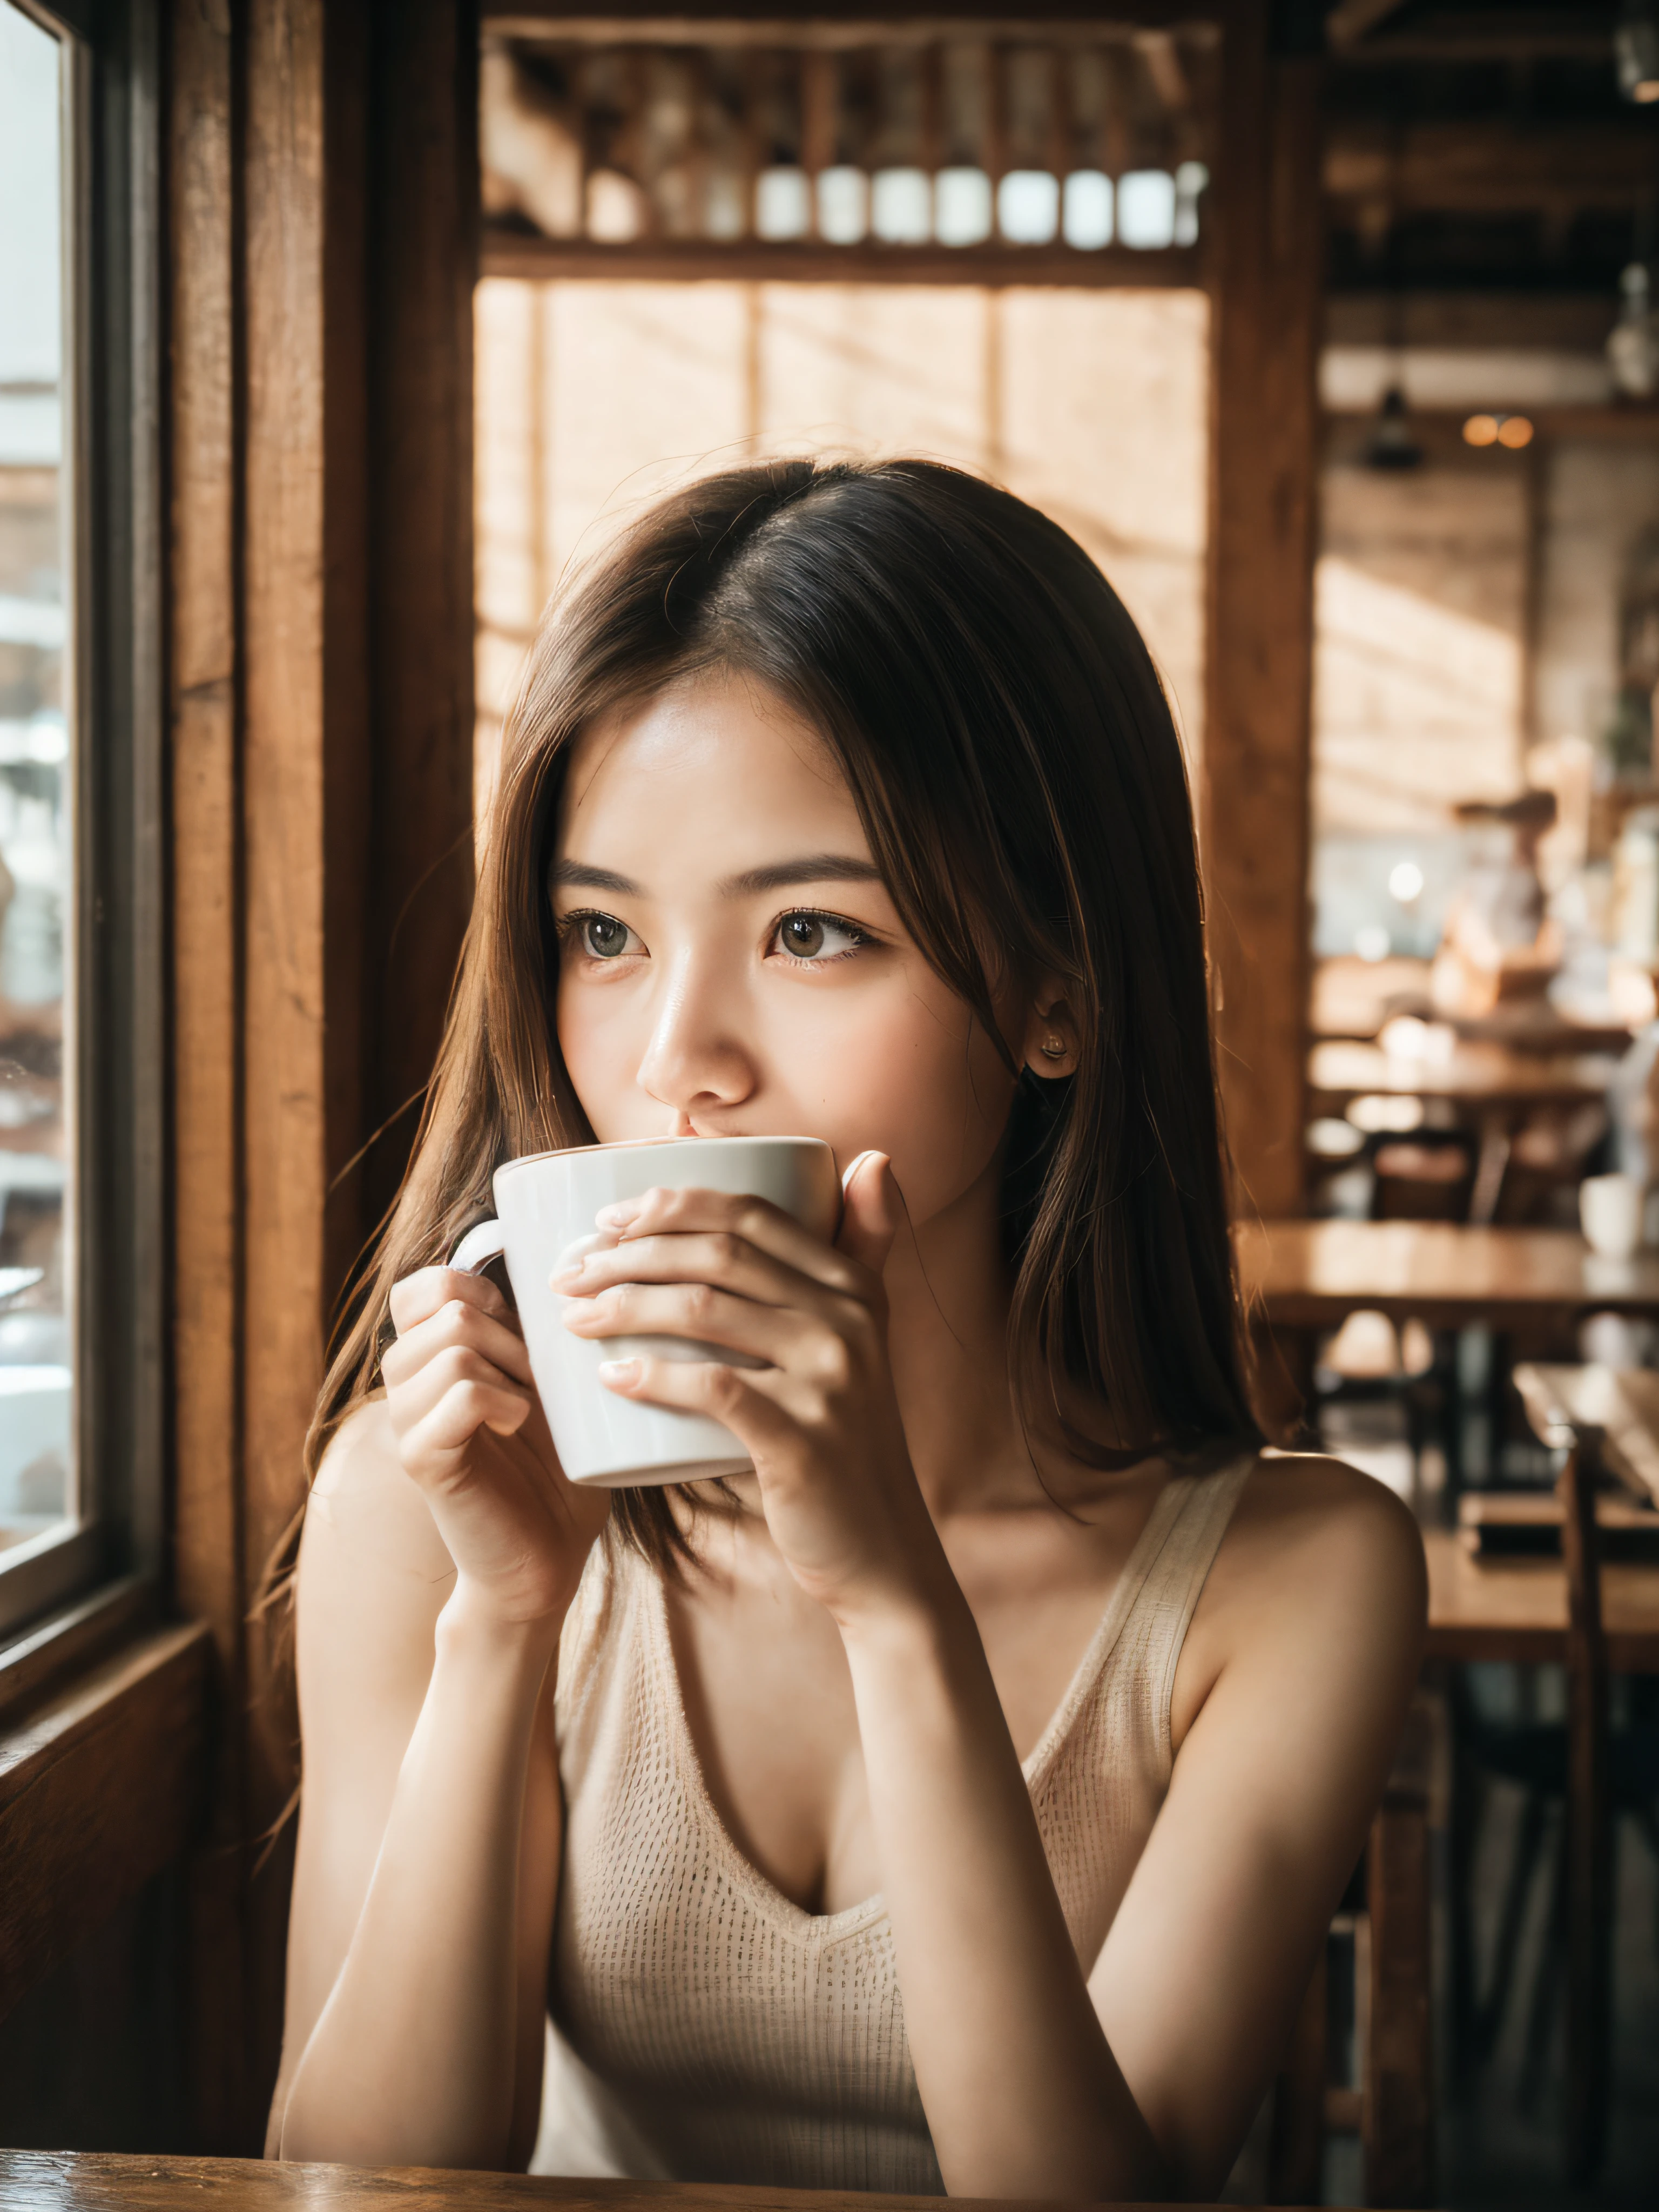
column 705, row 2028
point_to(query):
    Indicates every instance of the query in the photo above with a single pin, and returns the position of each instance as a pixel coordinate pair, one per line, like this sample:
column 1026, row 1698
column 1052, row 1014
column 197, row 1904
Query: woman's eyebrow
column 814, row 868
column 576, row 875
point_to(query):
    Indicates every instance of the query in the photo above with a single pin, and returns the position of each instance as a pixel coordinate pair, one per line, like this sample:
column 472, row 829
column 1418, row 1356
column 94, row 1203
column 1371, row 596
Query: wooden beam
column 101, row 1786
column 867, row 20
column 1477, row 168
column 516, row 254
column 1264, row 428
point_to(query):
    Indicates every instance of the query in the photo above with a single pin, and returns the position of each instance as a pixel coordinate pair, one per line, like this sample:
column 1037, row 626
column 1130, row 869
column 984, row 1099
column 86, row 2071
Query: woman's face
column 731, row 964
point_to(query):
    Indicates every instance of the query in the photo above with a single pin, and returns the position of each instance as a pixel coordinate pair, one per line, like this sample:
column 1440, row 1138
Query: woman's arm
column 428, row 1848
column 1023, row 2094
column 1291, row 1690
column 1315, row 1645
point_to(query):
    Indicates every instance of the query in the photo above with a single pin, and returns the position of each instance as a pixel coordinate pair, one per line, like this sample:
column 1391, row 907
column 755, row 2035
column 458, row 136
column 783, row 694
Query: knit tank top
column 703, row 2027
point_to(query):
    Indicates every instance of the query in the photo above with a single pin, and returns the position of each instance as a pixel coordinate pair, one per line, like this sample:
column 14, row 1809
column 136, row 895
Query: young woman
column 959, row 1802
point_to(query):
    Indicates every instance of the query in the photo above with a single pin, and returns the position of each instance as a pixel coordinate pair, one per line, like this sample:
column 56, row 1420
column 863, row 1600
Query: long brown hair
column 1012, row 756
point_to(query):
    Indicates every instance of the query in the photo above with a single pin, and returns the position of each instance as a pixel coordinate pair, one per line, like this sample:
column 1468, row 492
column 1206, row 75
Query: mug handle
column 485, row 1242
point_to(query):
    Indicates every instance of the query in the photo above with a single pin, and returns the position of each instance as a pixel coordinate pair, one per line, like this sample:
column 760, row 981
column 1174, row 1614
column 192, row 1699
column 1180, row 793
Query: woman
column 961, row 1800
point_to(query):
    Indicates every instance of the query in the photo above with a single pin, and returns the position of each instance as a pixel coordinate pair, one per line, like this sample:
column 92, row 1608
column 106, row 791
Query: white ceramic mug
column 545, row 1209
column 1611, row 1208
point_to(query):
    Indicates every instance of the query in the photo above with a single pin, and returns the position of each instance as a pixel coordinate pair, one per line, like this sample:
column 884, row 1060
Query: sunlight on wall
column 1598, row 497
column 1420, row 706
column 593, row 398
column 1105, row 426
column 878, row 368
column 1419, row 606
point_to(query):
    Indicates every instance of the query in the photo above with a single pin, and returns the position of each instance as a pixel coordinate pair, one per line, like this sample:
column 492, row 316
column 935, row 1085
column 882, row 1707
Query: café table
column 76, row 2181
column 1351, row 998
column 1485, row 1085
column 1302, row 1279
column 1515, row 1609
column 1479, row 1074
column 1313, row 1274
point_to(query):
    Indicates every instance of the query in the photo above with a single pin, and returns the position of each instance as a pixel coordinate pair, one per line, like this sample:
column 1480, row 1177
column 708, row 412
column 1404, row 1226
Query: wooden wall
column 322, row 181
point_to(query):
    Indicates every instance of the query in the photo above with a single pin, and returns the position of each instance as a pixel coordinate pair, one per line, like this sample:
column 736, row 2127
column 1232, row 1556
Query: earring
column 1053, row 1047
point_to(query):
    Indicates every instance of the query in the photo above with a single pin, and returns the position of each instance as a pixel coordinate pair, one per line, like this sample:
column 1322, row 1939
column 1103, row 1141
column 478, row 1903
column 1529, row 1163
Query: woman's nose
column 695, row 1056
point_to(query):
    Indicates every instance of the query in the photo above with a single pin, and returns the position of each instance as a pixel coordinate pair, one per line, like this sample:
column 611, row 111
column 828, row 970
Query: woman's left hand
column 820, row 1418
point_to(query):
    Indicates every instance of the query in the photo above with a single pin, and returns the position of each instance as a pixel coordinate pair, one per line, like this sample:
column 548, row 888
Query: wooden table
column 66, row 2181
column 1353, row 998
column 1491, row 1087
column 1312, row 1274
column 1479, row 1075
column 1517, row 1608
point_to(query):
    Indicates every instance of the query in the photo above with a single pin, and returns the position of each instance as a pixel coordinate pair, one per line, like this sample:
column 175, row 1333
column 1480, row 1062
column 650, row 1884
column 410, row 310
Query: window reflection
column 37, row 1488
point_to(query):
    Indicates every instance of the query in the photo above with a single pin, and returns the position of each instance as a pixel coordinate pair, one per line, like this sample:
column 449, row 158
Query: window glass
column 38, row 1489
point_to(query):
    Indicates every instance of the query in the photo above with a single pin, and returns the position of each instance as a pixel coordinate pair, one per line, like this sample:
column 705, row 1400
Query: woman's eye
column 817, row 937
column 601, row 935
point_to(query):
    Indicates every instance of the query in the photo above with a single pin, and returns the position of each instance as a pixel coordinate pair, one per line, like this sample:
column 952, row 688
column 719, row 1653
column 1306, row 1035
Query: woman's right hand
column 471, row 1433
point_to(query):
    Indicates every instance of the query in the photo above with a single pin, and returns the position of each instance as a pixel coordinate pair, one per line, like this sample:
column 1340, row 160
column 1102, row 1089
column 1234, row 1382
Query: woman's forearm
column 412, row 2060
column 1023, row 2095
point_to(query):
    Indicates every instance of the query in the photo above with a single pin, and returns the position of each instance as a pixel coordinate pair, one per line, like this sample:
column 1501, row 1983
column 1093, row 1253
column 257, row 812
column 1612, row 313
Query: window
column 80, row 1033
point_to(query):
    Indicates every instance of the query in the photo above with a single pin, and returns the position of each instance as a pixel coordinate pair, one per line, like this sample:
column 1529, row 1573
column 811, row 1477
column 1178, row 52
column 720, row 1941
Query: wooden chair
column 1571, row 1762
column 1392, row 2110
column 1588, row 1826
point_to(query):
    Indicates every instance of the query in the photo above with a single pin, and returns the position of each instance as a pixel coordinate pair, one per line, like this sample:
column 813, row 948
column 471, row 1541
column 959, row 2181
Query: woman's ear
column 1051, row 1044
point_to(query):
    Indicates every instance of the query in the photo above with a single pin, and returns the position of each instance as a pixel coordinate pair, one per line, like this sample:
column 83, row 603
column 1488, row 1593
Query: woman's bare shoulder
column 1305, row 1521
column 1319, row 1561
column 1306, row 1496
column 369, row 1538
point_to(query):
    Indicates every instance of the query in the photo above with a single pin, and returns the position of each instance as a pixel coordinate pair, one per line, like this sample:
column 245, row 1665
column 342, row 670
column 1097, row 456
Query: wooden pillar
column 423, row 262
column 321, row 191
column 1267, row 251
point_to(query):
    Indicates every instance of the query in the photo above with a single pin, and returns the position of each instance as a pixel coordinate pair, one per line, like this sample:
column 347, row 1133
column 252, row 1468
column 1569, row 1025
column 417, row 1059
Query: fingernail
column 618, row 1216
column 619, row 1373
column 571, row 1273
